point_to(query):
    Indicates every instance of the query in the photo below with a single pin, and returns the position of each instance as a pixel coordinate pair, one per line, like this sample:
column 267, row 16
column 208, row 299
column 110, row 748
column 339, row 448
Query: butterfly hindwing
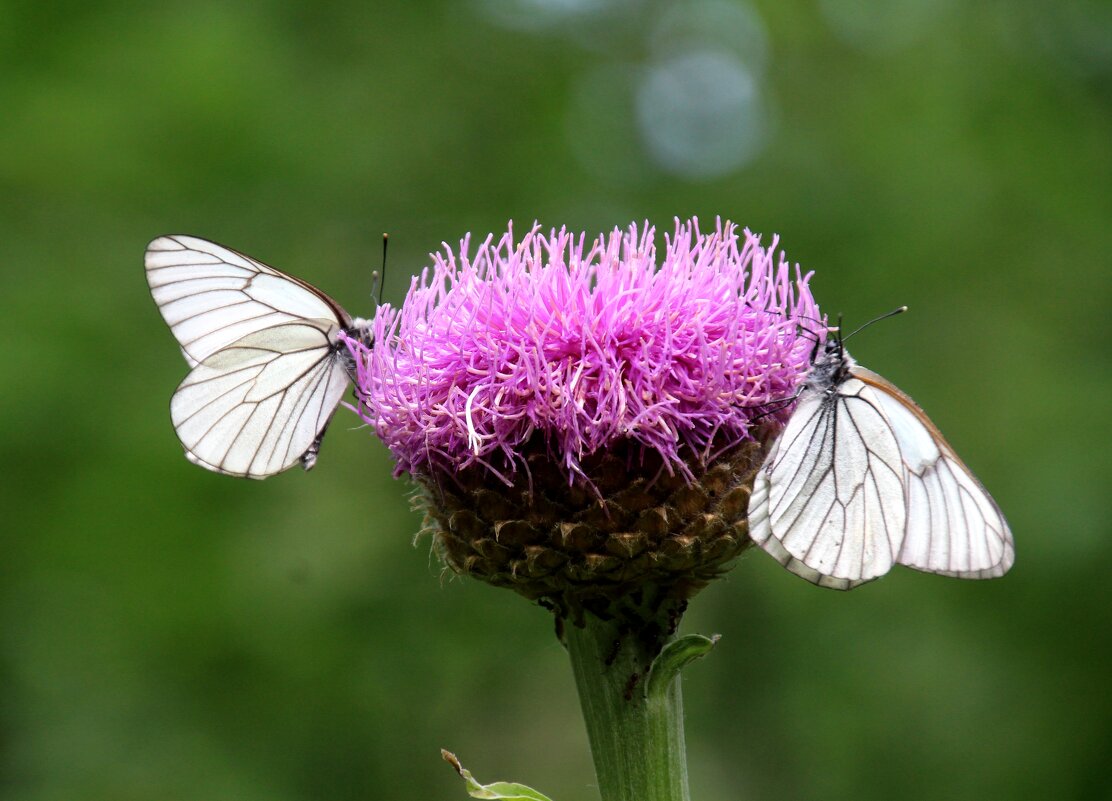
column 828, row 502
column 256, row 406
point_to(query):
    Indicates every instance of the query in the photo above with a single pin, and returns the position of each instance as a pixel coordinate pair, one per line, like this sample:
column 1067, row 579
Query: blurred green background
column 166, row 633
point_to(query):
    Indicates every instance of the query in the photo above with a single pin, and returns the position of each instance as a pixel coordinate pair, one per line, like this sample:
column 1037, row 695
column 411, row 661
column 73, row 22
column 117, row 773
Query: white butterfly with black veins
column 861, row 479
column 268, row 367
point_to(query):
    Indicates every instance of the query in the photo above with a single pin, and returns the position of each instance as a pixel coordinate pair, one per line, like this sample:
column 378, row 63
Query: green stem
column 636, row 737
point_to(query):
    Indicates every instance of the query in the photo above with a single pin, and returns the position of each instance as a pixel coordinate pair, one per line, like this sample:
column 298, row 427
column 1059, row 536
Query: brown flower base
column 574, row 548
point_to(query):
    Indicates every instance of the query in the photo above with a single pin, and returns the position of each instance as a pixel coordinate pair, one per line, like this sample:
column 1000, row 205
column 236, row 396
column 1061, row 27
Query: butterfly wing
column 828, row 503
column 954, row 527
column 861, row 479
column 212, row 296
column 259, row 405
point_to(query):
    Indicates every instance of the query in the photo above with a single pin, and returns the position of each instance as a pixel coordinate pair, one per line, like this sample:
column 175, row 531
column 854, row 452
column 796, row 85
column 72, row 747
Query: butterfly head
column 830, row 364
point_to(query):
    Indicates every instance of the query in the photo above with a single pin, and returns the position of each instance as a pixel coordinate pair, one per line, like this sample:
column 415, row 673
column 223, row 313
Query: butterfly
column 268, row 363
column 861, row 479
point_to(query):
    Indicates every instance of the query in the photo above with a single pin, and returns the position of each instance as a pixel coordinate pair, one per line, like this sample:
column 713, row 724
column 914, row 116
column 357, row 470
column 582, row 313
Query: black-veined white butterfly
column 268, row 367
column 861, row 479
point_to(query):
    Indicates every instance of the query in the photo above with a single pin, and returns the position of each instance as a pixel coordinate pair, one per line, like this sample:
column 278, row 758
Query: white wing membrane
column 255, row 407
column 954, row 527
column 212, row 296
column 829, row 504
column 860, row 480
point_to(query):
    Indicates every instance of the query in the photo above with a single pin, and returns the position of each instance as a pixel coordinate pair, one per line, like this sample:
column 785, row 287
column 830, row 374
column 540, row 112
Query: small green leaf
column 499, row 791
column 675, row 656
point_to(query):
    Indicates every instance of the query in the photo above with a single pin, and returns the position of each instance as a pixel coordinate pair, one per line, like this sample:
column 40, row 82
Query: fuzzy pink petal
column 587, row 346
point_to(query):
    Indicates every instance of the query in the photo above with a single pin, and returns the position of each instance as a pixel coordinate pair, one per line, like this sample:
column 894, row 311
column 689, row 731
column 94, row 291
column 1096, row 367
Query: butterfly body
column 269, row 365
column 861, row 479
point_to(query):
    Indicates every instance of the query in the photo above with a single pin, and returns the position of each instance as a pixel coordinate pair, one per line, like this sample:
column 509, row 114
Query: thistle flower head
column 525, row 364
column 586, row 345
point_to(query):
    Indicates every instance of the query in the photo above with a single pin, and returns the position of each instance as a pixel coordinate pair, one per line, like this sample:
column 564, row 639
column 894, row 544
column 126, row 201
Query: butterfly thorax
column 830, row 369
column 361, row 330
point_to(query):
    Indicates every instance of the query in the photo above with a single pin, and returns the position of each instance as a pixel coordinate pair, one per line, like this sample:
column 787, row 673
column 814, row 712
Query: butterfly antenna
column 885, row 316
column 378, row 277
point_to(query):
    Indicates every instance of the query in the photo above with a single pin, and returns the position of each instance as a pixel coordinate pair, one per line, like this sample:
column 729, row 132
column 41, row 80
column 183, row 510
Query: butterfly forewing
column 212, row 296
column 255, row 407
column 954, row 527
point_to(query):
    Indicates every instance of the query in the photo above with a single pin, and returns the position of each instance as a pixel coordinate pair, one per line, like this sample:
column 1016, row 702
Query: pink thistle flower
column 587, row 346
column 585, row 422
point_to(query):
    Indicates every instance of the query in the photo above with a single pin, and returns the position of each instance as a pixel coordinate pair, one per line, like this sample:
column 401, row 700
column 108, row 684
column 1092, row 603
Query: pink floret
column 587, row 345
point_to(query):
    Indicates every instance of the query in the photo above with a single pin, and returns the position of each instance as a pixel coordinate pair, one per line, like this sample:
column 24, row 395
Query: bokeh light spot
column 701, row 114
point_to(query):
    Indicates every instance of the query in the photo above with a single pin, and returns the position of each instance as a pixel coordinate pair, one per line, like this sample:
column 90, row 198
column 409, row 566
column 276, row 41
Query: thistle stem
column 636, row 737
